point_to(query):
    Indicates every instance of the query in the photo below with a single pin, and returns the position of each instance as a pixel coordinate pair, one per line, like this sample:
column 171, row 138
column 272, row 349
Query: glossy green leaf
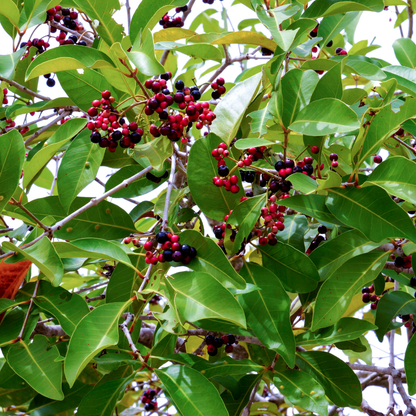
column 365, row 207
column 200, row 296
column 397, row 175
column 8, row 63
column 226, row 367
column 80, row 88
column 391, row 305
column 330, row 26
column 259, row 121
column 245, row 215
column 331, row 7
column 325, row 116
column 405, row 77
column 387, row 122
column 330, row 85
column 18, row 107
column 243, row 144
column 302, row 390
column 333, row 253
column 102, row 399
column 312, row 205
column 44, row 255
column 211, row 259
column 335, row 295
column 147, row 15
column 93, row 248
column 141, row 209
column 363, row 66
column 147, row 65
column 6, row 304
column 191, row 393
column 12, row 155
column 156, row 151
column 268, row 311
column 202, row 167
column 346, row 329
column 293, row 234
column 303, row 183
column 105, row 220
column 68, row 308
column 102, row 11
column 204, row 51
column 409, row 366
column 293, row 268
column 35, row 363
column 41, row 406
column 230, row 111
column 10, row 10
column 95, row 332
column 78, row 168
column 244, row 37
column 62, row 135
column 340, row 383
column 405, row 51
column 68, row 57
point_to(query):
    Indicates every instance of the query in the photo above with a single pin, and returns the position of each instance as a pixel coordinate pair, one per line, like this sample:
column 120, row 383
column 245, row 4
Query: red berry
column 127, row 240
column 315, row 149
column 148, row 246
column 220, row 81
column 234, row 179
column 334, row 164
column 106, row 94
column 377, row 159
column 234, row 189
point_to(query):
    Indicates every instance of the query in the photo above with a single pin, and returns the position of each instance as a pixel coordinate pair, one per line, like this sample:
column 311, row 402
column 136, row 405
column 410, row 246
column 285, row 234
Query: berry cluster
column 333, row 157
column 370, row 296
column 66, row 17
column 340, row 51
column 252, row 155
column 167, row 21
column 208, row 1
column 72, row 40
column 40, row 44
column 170, row 250
column 405, row 261
column 155, row 300
column 322, row 230
column 231, row 183
column 287, row 167
column 5, row 99
column 314, row 32
column 214, row 343
column 218, row 87
column 148, row 399
column 114, row 129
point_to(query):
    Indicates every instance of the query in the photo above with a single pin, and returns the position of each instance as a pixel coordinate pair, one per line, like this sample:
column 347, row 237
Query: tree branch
column 410, row 14
column 125, row 329
column 391, row 266
column 24, row 89
column 168, row 193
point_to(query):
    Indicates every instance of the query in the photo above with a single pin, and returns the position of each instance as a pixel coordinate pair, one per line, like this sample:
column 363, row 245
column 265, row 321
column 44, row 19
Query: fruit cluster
column 72, row 40
column 170, row 250
column 252, row 155
column 66, row 17
column 229, row 183
column 148, row 399
column 370, row 296
column 40, row 44
column 167, row 21
column 213, row 343
column 405, row 262
column 115, row 130
column 218, row 87
column 322, row 230
column 340, row 51
column 5, row 99
column 50, row 82
column 155, row 300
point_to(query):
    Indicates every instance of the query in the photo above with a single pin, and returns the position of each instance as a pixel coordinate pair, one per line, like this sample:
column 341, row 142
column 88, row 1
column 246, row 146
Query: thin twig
column 6, row 230
column 35, row 292
column 44, row 128
column 391, row 266
column 55, row 177
column 23, row 208
column 87, row 39
column 126, row 199
column 400, row 26
column 24, row 89
column 410, row 14
column 168, row 193
column 125, row 329
column 128, row 15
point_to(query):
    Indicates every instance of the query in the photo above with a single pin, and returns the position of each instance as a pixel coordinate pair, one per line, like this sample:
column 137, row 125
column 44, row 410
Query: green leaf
column 302, row 390
column 211, row 259
column 147, row 15
column 341, row 384
column 10, row 10
column 325, row 116
column 200, row 296
column 405, row 51
column 102, row 399
column 81, row 88
column 273, row 19
column 12, row 156
column 260, row 119
column 362, row 208
column 156, row 151
column 330, row 7
column 43, row 254
column 333, row 253
column 6, row 304
column 330, row 85
column 204, row 51
column 105, row 220
column 245, row 215
column 141, row 209
column 68, row 308
column 202, row 167
column 397, row 175
column 409, row 366
column 94, row 248
column 35, row 363
column 243, row 144
column 346, row 329
column 295, row 92
column 335, row 295
column 387, row 122
column 78, row 168
column 227, row 367
column 18, row 107
column 61, row 136
column 391, row 305
column 68, row 57
column 303, row 183
column 146, row 63
column 191, row 393
column 102, row 11
column 330, row 26
column 231, row 109
column 293, row 268
column 405, row 77
column 312, row 205
column 293, row 234
column 268, row 311
column 95, row 332
column 244, row 37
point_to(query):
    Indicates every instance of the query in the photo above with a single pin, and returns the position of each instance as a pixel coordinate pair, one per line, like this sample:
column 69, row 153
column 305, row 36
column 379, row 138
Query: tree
column 268, row 212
